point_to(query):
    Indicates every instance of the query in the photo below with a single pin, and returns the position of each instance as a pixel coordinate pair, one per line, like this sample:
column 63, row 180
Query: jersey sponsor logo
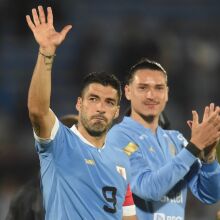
column 122, row 171
column 161, row 216
column 90, row 162
column 130, row 148
column 177, row 199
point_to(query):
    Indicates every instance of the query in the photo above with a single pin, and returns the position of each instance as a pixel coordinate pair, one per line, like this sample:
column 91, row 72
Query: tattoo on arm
column 48, row 60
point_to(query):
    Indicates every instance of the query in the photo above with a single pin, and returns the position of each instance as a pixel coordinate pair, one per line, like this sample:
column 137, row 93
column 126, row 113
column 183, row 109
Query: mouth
column 99, row 118
column 151, row 104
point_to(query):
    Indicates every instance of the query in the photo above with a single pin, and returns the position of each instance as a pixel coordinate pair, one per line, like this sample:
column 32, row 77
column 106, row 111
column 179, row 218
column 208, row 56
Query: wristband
column 193, row 149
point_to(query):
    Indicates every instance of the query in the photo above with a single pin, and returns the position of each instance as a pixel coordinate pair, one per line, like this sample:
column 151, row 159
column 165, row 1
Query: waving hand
column 44, row 32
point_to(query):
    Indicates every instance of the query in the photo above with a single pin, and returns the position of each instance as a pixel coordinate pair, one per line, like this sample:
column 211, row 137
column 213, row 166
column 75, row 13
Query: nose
column 149, row 94
column 101, row 107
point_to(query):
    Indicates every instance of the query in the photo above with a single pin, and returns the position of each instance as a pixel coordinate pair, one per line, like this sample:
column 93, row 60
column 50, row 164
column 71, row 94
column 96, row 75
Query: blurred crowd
column 107, row 36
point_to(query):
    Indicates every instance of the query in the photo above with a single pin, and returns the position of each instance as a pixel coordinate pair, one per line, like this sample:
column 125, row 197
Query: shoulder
column 118, row 127
column 65, row 132
column 123, row 130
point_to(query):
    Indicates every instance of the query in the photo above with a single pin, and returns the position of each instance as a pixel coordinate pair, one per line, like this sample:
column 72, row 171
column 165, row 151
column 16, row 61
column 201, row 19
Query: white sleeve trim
column 52, row 135
column 129, row 210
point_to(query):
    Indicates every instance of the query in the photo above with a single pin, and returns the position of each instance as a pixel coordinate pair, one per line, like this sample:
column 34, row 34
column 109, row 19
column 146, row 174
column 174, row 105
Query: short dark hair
column 103, row 79
column 144, row 63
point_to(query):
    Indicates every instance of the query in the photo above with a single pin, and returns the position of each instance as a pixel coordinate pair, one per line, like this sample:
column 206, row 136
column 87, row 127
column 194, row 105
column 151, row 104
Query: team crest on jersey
column 130, row 148
column 121, row 170
column 90, row 162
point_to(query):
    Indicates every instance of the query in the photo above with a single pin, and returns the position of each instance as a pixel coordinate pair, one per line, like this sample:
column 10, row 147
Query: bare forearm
column 42, row 118
column 48, row 39
column 40, row 87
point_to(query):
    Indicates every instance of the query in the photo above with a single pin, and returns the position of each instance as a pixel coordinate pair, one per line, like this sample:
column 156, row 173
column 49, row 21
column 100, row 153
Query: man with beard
column 163, row 163
column 82, row 178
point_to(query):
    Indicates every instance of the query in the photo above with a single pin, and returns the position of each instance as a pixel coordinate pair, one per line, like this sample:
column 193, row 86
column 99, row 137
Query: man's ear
column 78, row 104
column 127, row 92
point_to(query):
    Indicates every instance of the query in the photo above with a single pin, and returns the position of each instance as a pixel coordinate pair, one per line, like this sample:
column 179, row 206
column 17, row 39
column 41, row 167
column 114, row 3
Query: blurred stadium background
column 184, row 36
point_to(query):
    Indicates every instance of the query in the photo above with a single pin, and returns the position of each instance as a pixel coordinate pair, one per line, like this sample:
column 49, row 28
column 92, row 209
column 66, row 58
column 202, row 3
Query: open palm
column 44, row 32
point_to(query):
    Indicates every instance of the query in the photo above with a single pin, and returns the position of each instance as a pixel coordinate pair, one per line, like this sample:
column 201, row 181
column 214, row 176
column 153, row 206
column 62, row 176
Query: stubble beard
column 148, row 118
column 96, row 129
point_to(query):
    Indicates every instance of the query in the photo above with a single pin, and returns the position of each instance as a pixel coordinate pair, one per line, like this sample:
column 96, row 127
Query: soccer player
column 163, row 163
column 82, row 178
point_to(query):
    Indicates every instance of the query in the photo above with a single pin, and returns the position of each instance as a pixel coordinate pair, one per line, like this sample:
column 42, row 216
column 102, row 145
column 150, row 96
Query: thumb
column 65, row 30
column 189, row 123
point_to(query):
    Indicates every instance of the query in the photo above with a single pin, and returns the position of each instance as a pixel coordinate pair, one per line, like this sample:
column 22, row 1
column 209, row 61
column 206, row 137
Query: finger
column 214, row 115
column 214, row 139
column 217, row 136
column 212, row 107
column 65, row 30
column 41, row 14
column 214, row 120
column 218, row 123
column 49, row 16
column 30, row 23
column 206, row 113
column 217, row 110
column 195, row 120
column 35, row 17
column 189, row 123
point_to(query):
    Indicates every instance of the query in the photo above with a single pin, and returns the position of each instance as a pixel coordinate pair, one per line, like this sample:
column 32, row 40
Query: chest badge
column 130, row 148
column 89, row 162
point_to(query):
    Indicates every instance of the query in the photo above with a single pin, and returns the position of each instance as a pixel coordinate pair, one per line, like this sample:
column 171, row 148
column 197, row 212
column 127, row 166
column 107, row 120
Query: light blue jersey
column 79, row 180
column 162, row 169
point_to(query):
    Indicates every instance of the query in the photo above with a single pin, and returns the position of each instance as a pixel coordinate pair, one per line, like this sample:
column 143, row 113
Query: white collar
column 76, row 132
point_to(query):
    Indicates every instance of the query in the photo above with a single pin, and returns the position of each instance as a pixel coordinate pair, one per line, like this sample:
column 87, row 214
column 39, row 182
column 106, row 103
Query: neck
column 97, row 141
column 140, row 119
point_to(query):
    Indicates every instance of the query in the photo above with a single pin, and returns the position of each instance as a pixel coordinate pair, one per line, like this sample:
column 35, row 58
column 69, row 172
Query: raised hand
column 44, row 32
column 209, row 153
column 208, row 110
column 206, row 133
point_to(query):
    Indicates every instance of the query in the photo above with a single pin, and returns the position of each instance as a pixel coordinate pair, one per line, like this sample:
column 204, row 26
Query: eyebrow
column 111, row 99
column 108, row 98
column 94, row 95
column 146, row 84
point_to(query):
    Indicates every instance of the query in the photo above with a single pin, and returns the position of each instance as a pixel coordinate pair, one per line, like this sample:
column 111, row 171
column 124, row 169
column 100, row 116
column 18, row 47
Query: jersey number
column 109, row 194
